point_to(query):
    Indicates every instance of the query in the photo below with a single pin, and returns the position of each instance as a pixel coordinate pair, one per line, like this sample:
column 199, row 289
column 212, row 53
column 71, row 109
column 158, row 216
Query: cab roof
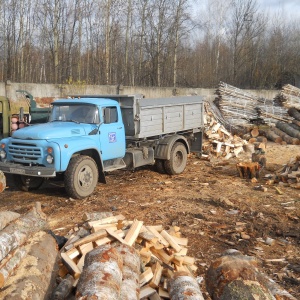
column 93, row 101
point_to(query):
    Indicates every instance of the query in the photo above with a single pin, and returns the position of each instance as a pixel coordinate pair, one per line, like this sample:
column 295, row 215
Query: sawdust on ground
column 214, row 208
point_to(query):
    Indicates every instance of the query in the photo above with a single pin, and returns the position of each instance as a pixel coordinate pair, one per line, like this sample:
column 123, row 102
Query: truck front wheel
column 178, row 158
column 81, row 177
column 28, row 183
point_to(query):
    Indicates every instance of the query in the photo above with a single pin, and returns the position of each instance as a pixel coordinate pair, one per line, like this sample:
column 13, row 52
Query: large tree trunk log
column 11, row 265
column 272, row 136
column 16, row 233
column 293, row 112
column 6, row 217
column 235, row 276
column 286, row 137
column 288, row 129
column 2, row 182
column 101, row 277
column 130, row 289
column 184, row 286
column 35, row 278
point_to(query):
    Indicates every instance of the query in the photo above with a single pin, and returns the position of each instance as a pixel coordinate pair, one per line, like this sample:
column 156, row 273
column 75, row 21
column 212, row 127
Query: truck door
column 112, row 134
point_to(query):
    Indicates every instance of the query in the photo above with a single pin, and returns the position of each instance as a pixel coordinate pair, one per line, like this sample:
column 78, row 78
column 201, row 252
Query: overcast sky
column 287, row 7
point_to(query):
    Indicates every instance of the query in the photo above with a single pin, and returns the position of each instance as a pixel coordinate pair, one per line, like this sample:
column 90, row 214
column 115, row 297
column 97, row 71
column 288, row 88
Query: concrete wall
column 47, row 92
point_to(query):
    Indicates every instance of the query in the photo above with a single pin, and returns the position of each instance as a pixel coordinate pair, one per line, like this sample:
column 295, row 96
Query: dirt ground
column 215, row 209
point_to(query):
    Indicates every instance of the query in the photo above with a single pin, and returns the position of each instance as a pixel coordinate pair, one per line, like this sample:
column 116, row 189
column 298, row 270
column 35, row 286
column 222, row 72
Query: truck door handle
column 119, row 127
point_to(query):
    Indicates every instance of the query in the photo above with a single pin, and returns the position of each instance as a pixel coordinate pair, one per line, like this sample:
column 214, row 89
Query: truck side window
column 110, row 115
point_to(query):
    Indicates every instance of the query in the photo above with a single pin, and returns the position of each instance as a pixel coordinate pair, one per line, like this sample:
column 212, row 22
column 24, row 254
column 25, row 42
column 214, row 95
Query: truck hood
column 53, row 130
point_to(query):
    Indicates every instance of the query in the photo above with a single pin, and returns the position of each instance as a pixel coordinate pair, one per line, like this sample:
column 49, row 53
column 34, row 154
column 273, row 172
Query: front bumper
column 13, row 168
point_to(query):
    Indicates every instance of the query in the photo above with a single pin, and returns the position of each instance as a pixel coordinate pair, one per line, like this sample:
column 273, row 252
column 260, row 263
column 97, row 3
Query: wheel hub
column 85, row 177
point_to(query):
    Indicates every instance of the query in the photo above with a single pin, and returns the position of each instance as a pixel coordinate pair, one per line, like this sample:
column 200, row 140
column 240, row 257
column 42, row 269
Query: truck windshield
column 75, row 113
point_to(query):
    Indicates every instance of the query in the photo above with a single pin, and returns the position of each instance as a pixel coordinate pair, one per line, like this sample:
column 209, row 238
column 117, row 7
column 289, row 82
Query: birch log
column 184, row 286
column 16, row 233
column 11, row 265
column 2, row 182
column 130, row 288
column 35, row 276
column 101, row 277
column 6, row 217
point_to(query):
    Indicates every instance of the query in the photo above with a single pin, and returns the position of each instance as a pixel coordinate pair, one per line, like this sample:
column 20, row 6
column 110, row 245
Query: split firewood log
column 93, row 216
column 16, row 233
column 183, row 286
column 35, row 277
column 101, row 277
column 6, row 217
column 235, row 276
column 2, row 182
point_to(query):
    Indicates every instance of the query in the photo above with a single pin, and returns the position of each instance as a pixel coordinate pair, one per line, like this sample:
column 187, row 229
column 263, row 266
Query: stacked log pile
column 289, row 96
column 22, row 239
column 220, row 143
column 124, row 259
column 240, row 108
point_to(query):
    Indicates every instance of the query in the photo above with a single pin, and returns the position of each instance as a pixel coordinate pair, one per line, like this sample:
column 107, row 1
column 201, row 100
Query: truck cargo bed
column 147, row 117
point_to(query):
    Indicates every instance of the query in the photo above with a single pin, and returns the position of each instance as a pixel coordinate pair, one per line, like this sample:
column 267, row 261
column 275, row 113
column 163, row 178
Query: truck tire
column 178, row 158
column 81, row 177
column 159, row 166
column 28, row 183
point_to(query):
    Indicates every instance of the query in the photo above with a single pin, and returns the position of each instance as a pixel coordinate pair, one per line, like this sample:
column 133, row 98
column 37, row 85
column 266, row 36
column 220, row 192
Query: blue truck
column 88, row 136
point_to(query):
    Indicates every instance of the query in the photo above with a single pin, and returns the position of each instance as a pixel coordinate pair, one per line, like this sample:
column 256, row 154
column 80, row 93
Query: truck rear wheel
column 28, row 183
column 81, row 177
column 178, row 158
column 159, row 165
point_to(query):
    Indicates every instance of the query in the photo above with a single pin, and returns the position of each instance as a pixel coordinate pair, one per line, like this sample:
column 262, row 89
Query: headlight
column 50, row 159
column 2, row 154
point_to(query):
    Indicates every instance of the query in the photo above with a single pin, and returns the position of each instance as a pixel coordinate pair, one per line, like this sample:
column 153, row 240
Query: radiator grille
column 25, row 152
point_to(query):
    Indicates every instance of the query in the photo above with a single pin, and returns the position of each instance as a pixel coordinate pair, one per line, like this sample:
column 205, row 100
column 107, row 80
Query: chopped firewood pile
column 220, row 142
column 139, row 261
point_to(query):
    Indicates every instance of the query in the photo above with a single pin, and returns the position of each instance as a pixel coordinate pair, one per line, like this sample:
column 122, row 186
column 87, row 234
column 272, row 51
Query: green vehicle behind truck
column 36, row 114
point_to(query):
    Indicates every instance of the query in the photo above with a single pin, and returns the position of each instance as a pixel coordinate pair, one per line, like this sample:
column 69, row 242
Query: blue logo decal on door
column 112, row 137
